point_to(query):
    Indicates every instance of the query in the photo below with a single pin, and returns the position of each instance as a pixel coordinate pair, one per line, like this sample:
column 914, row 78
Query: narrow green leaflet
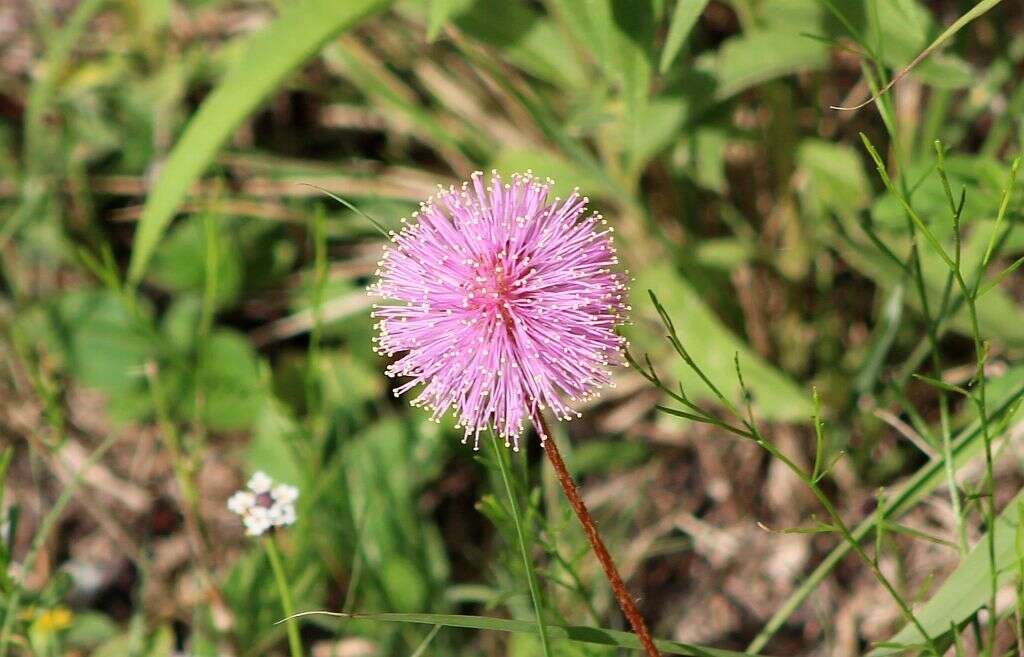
column 683, row 19
column 269, row 57
column 967, row 588
column 580, row 633
column 947, row 34
column 775, row 395
column 967, row 446
column 439, row 12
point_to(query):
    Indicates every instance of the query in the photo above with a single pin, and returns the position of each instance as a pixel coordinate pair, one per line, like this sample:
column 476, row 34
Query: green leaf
column 180, row 322
column 102, row 345
column 273, row 445
column 619, row 34
column 775, row 395
column 227, row 381
column 580, row 633
column 439, row 12
column 89, row 630
column 708, row 168
column 998, row 314
column 836, row 176
column 269, row 57
column 385, row 467
column 683, row 19
column 745, row 61
column 968, row 587
column 526, row 38
column 404, row 582
column 946, row 71
column 180, row 264
column 634, row 34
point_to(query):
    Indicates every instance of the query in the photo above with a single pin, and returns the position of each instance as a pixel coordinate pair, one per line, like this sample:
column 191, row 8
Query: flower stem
column 618, row 588
column 531, row 580
column 294, row 643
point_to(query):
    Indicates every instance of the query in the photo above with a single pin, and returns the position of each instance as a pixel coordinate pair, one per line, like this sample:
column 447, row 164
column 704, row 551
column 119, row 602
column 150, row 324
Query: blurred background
column 180, row 298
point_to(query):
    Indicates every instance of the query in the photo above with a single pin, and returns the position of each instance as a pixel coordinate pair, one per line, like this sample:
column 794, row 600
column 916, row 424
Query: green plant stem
column 933, row 337
column 291, row 623
column 970, row 296
column 45, row 528
column 848, row 536
column 211, row 244
column 538, row 606
column 750, row 431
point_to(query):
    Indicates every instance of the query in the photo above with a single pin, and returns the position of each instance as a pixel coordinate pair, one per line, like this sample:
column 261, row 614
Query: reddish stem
column 621, row 595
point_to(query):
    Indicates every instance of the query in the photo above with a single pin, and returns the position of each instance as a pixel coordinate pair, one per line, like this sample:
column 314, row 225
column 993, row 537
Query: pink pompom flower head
column 507, row 303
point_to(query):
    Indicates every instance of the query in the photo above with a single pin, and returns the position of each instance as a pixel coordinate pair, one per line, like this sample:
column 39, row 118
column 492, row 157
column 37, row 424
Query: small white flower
column 260, row 482
column 265, row 505
column 241, row 501
column 285, row 494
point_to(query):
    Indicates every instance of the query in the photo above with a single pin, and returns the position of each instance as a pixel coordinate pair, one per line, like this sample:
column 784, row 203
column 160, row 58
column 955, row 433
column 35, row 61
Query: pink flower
column 508, row 302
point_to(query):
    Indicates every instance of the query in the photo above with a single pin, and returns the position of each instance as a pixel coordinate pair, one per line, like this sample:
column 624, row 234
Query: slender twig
column 294, row 642
column 618, row 588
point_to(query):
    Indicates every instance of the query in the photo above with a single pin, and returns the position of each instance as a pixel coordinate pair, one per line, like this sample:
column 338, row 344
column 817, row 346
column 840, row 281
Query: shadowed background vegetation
column 181, row 299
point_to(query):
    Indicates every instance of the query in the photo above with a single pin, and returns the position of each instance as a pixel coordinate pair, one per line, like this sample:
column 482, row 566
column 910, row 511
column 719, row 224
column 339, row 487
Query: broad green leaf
column 908, row 17
column 404, row 582
column 663, row 118
column 619, row 34
column 745, row 61
column 683, row 19
column 946, row 71
column 968, row 587
column 385, row 467
column 89, row 629
column 725, row 253
column 836, row 178
column 580, row 633
column 633, row 22
column 227, row 381
column 775, row 395
column 275, row 437
column 708, row 167
column 180, row 323
column 270, row 56
column 101, row 344
column 180, row 263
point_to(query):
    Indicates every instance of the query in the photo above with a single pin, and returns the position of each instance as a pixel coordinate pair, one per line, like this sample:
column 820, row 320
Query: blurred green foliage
column 159, row 246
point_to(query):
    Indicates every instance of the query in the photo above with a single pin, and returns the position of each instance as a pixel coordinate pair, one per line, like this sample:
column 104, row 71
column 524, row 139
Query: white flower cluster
column 265, row 505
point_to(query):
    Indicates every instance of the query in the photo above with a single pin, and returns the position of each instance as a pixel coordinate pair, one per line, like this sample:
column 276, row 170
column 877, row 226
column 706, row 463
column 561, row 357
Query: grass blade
column 439, row 12
column 967, row 587
column 967, row 446
column 269, row 57
column 578, row 633
column 683, row 19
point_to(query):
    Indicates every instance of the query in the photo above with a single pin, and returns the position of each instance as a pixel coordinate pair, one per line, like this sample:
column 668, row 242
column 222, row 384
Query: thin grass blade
column 581, row 634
